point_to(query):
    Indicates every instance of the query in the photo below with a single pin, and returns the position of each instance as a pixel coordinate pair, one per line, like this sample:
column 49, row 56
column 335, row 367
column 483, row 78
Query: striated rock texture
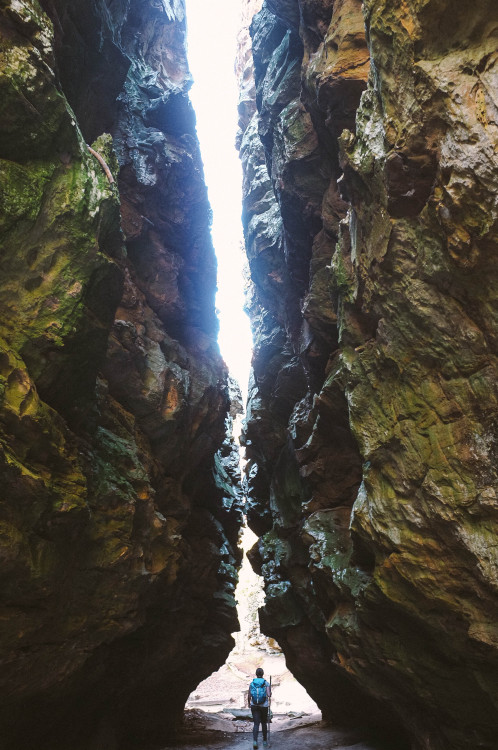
column 119, row 510
column 370, row 217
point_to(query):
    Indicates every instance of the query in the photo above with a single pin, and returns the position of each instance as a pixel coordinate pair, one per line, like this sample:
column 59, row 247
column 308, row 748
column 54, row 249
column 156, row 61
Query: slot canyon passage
column 368, row 141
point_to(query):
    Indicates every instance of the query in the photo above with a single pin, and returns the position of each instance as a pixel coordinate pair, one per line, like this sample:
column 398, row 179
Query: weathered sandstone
column 370, row 216
column 119, row 509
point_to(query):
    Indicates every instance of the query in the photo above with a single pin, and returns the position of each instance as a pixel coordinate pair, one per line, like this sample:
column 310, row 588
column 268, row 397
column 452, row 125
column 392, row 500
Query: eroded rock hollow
column 370, row 218
column 120, row 504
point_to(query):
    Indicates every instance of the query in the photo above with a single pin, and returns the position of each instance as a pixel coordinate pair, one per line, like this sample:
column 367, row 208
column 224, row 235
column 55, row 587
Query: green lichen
column 342, row 275
column 21, row 191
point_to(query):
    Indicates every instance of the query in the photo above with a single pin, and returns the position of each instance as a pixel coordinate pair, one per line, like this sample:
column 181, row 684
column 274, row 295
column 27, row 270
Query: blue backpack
column 257, row 688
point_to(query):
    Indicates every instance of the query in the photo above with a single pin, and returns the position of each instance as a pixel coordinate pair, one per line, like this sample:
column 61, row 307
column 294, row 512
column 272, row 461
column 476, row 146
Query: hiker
column 258, row 698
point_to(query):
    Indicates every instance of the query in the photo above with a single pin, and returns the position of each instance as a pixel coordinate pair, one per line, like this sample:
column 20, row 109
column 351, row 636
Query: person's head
column 259, row 672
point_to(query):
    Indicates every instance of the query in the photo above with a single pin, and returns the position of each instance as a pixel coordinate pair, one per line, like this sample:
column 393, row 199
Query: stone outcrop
column 120, row 505
column 370, row 218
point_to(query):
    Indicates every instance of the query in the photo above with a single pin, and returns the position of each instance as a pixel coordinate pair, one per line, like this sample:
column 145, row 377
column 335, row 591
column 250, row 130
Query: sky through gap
column 212, row 35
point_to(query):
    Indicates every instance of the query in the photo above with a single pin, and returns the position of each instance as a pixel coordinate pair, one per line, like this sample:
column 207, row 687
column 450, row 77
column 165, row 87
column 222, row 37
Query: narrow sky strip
column 212, row 34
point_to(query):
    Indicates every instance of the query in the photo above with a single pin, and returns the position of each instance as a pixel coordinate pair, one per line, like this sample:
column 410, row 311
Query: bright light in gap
column 212, row 34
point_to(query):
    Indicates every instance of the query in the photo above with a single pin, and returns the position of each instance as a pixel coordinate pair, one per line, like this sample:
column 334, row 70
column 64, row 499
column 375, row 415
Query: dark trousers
column 259, row 716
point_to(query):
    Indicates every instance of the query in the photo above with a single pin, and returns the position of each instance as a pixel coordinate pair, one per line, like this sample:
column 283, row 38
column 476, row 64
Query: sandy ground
column 226, row 689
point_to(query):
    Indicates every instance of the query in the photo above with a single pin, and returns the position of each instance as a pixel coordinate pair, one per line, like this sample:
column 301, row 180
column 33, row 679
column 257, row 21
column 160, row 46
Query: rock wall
column 370, row 218
column 120, row 504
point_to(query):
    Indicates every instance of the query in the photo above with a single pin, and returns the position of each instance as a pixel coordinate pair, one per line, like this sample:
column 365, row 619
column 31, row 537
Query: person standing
column 258, row 699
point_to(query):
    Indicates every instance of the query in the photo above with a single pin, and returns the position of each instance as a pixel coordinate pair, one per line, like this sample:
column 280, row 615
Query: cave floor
column 199, row 732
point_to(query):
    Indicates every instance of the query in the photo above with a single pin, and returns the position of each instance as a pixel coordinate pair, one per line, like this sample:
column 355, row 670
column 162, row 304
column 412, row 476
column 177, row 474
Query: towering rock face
column 370, row 217
column 244, row 70
column 119, row 500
